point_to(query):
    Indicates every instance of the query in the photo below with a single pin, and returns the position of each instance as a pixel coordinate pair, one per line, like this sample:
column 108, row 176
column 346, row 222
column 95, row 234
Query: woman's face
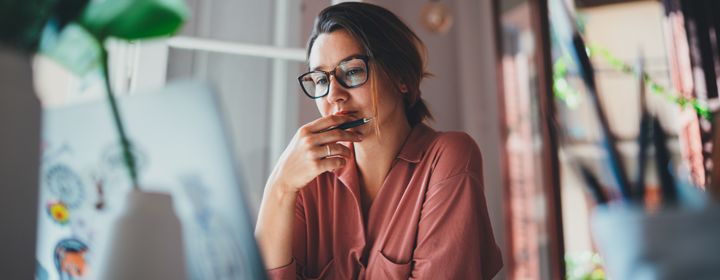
column 327, row 52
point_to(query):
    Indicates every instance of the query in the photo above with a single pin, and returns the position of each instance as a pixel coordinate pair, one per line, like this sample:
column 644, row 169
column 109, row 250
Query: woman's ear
column 402, row 87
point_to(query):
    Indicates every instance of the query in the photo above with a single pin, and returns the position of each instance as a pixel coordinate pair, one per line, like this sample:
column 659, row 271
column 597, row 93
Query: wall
column 243, row 83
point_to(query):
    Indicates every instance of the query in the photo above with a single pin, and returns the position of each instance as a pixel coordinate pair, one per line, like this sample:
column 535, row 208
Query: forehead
column 332, row 48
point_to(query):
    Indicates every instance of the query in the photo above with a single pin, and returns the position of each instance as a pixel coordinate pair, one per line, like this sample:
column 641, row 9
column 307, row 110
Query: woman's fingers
column 307, row 154
column 312, row 137
column 331, row 156
column 332, row 150
column 327, row 122
column 335, row 135
column 332, row 163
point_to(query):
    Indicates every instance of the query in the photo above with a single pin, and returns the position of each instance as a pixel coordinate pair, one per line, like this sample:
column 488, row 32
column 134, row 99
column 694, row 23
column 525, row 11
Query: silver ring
column 328, row 147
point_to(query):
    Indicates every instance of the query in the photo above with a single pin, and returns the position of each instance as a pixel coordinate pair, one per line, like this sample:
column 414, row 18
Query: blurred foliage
column 25, row 24
column 134, row 19
column 75, row 34
column 74, row 48
column 22, row 22
column 571, row 96
column 700, row 106
column 561, row 87
column 72, row 32
column 586, row 265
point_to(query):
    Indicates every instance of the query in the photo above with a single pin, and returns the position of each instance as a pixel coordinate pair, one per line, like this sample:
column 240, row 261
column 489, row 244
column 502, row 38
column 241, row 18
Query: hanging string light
column 571, row 96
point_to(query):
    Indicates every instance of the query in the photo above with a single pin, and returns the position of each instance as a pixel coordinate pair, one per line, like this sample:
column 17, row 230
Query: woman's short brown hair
column 394, row 50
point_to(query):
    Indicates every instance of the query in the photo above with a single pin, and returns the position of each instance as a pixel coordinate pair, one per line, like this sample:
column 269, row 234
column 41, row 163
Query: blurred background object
column 435, row 17
column 21, row 25
column 22, row 22
column 19, row 164
column 147, row 241
column 536, row 61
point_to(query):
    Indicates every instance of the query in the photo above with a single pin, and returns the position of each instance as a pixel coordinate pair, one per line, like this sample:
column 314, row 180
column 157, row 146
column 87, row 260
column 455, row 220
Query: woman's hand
column 304, row 159
column 307, row 155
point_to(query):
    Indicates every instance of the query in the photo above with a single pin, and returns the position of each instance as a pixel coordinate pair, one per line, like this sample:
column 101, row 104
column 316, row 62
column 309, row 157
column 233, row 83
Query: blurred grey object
column 147, row 240
column 19, row 162
column 675, row 243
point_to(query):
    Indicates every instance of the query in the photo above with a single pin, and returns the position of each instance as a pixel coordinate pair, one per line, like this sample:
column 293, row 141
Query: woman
column 391, row 199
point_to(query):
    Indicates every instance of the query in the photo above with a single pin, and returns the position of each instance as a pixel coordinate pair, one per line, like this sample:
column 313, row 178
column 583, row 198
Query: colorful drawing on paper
column 99, row 182
column 71, row 259
column 58, row 211
column 214, row 251
column 113, row 158
column 65, row 184
column 50, row 152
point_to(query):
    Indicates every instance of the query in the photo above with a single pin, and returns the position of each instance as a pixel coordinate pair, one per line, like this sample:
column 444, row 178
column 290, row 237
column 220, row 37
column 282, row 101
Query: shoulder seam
column 468, row 146
column 458, row 175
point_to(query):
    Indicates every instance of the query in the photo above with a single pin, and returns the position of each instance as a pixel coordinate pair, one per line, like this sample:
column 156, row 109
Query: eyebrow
column 341, row 61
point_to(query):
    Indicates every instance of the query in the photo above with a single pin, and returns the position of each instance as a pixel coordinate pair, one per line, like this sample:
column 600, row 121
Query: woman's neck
column 374, row 157
column 372, row 154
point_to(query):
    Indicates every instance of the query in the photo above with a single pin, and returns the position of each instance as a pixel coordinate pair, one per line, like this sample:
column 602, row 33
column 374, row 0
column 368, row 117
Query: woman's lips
column 345, row 112
column 352, row 114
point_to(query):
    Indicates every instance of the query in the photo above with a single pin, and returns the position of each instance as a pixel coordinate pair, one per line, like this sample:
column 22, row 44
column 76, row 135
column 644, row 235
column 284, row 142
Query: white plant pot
column 147, row 241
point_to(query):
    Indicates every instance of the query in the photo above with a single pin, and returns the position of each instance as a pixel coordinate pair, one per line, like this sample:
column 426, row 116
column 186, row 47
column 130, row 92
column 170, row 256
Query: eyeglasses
column 350, row 73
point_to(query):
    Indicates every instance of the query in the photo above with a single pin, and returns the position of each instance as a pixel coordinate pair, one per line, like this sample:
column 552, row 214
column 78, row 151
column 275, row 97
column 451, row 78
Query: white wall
column 244, row 83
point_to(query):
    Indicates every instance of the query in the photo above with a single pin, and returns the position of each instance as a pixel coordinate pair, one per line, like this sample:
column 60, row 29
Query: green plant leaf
column 134, row 19
column 22, row 22
column 74, row 48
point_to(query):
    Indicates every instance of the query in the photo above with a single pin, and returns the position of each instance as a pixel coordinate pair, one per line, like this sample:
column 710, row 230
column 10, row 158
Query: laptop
column 180, row 148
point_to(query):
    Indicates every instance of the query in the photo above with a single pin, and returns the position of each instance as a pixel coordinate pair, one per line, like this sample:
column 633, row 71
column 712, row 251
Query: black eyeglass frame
column 364, row 58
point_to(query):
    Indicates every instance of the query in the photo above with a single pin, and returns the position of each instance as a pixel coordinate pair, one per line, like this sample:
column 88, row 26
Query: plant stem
column 127, row 156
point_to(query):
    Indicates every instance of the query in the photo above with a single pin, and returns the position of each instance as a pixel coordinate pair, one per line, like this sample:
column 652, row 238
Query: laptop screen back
column 180, row 147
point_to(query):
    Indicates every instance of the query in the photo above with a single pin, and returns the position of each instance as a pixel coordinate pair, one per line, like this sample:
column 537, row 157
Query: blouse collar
column 412, row 151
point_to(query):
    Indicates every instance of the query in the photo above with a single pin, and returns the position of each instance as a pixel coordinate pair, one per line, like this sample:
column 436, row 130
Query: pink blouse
column 429, row 220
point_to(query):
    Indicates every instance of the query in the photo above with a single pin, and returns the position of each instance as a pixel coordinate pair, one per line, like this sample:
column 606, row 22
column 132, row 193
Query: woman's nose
column 336, row 92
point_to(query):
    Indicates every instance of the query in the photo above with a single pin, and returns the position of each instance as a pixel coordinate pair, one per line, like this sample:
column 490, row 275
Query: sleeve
column 455, row 238
column 294, row 269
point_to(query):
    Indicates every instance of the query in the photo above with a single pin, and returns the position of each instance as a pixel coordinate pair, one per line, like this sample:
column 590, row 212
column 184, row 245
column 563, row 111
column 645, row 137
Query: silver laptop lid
column 180, row 147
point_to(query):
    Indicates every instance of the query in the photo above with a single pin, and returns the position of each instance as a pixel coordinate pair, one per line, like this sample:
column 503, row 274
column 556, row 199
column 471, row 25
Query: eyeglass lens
column 349, row 73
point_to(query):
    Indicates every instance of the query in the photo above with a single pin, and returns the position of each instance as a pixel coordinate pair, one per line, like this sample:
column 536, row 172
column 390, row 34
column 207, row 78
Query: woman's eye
column 355, row 71
column 321, row 81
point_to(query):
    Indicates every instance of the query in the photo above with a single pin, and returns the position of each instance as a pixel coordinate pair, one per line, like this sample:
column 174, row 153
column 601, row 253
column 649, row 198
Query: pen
column 349, row 124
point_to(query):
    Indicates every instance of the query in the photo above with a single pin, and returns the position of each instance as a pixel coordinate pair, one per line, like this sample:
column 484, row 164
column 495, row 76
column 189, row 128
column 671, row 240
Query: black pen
column 348, row 125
